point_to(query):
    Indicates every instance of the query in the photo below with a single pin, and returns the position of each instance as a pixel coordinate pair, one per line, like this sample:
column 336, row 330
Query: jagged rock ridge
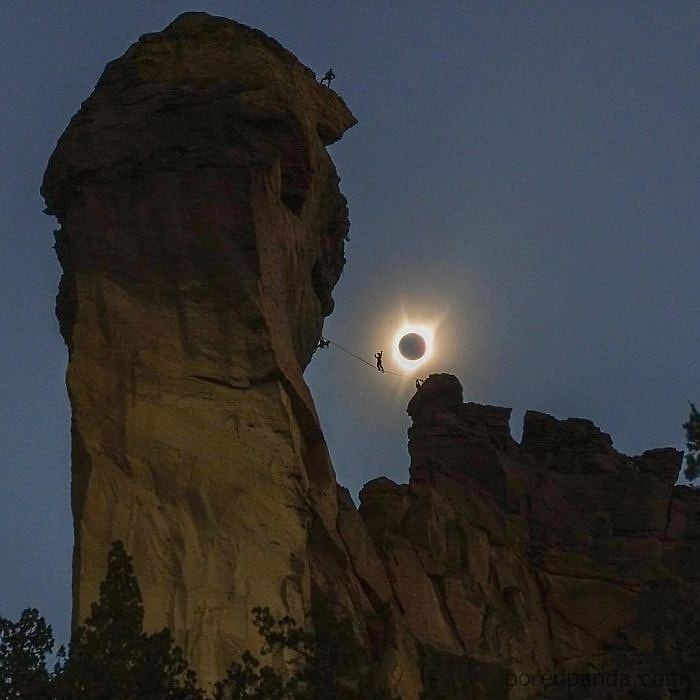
column 556, row 555
column 201, row 236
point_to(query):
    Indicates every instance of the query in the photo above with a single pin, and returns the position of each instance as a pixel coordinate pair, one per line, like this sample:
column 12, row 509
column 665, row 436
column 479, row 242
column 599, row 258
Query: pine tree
column 111, row 658
column 23, row 648
column 692, row 434
column 326, row 664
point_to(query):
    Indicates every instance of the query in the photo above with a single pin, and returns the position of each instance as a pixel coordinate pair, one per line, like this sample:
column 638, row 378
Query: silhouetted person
column 378, row 357
column 330, row 75
column 323, row 343
column 418, row 383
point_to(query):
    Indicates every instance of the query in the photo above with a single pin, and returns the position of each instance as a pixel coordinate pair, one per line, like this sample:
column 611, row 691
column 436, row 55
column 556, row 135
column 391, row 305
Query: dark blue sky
column 526, row 172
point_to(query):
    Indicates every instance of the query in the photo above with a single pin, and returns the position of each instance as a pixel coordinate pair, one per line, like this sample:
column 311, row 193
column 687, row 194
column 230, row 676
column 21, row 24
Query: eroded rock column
column 201, row 234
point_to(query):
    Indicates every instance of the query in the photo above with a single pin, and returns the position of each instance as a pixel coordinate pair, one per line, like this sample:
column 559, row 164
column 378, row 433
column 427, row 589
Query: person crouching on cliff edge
column 329, row 76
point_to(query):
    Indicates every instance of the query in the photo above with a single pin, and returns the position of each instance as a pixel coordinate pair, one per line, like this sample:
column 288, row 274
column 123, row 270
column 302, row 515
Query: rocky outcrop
column 555, row 565
column 201, row 235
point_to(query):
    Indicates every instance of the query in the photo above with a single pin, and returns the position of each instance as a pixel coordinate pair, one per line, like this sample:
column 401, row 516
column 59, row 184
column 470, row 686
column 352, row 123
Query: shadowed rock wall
column 201, row 235
column 512, row 562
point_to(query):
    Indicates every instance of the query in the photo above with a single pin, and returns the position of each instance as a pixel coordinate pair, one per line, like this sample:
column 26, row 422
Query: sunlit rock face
column 201, row 235
column 202, row 232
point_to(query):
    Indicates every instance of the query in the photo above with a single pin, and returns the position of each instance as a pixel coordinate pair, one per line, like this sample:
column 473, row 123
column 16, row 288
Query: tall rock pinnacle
column 202, row 233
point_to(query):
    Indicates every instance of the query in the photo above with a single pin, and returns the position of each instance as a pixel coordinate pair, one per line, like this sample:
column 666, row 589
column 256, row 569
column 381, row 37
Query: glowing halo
column 426, row 333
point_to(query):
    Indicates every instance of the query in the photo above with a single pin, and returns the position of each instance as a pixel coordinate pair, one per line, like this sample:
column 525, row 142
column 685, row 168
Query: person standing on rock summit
column 330, row 75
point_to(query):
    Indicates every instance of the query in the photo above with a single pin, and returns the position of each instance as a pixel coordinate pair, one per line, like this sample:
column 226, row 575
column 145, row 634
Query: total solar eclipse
column 412, row 346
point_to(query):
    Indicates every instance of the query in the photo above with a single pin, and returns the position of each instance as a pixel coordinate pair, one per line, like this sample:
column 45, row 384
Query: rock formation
column 202, row 232
column 201, row 235
column 551, row 563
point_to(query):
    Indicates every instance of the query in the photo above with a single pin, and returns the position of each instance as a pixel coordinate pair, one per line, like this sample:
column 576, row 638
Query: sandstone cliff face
column 202, row 232
column 201, row 235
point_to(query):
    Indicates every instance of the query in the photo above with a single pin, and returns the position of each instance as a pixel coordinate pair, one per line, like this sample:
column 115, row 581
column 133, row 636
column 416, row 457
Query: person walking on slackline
column 378, row 358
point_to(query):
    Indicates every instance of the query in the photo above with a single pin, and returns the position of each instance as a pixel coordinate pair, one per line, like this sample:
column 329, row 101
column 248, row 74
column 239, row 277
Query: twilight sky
column 527, row 174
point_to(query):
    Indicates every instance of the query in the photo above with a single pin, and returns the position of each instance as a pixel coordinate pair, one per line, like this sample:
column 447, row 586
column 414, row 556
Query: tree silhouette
column 248, row 678
column 324, row 664
column 111, row 658
column 23, row 648
column 692, row 436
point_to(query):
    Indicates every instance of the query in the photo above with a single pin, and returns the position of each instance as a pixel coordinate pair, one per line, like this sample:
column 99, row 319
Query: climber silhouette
column 330, row 75
column 323, row 343
column 418, row 383
column 378, row 357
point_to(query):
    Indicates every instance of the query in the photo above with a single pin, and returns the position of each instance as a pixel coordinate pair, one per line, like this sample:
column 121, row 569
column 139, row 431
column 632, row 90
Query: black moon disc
column 412, row 346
